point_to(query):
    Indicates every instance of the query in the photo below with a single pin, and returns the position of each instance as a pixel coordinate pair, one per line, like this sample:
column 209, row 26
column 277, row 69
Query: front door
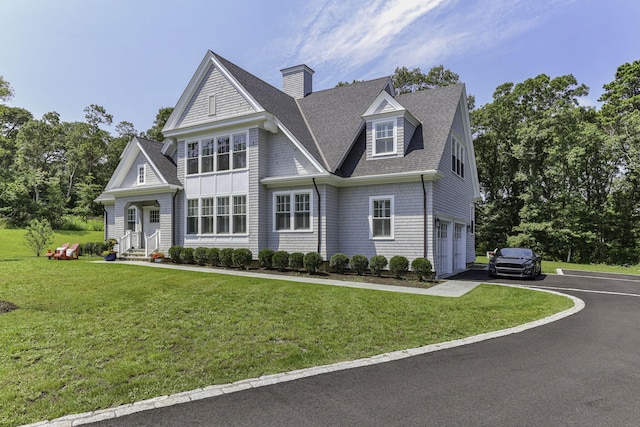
column 151, row 220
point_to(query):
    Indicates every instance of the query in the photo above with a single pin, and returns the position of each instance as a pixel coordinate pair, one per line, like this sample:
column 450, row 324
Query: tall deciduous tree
column 155, row 133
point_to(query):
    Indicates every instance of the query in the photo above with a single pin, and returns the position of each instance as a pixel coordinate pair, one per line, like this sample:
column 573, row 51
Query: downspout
column 173, row 218
column 319, row 217
column 424, row 215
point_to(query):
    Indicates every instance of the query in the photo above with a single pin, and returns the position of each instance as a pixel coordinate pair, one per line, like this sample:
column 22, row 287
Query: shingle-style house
column 355, row 169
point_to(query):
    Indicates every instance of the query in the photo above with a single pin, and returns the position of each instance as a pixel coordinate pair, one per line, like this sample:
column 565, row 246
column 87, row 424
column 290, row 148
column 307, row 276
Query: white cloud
column 372, row 38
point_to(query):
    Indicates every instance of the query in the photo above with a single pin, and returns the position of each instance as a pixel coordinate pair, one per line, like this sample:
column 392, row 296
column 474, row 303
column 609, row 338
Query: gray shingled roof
column 278, row 103
column 335, row 116
column 435, row 109
column 329, row 123
column 165, row 165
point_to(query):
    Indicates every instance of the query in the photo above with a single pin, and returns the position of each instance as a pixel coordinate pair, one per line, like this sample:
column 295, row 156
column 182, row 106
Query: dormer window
column 385, row 136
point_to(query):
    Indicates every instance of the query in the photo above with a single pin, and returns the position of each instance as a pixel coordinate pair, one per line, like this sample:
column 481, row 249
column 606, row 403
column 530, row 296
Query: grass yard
column 89, row 335
column 12, row 241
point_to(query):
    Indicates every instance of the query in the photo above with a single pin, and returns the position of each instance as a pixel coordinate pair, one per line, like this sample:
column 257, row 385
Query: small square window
column 154, row 216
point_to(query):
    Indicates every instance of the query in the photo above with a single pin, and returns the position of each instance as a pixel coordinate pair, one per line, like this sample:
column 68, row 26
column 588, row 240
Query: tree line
column 49, row 167
column 555, row 175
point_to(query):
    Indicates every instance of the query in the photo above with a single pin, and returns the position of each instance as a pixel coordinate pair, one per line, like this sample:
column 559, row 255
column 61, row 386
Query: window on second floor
column 218, row 154
column 457, row 157
column 384, row 137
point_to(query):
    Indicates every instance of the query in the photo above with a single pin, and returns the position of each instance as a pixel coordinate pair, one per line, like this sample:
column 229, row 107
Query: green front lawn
column 90, row 335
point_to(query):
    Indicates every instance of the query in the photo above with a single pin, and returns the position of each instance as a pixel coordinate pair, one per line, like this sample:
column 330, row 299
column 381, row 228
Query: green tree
column 6, row 91
column 408, row 81
column 545, row 169
column 155, row 133
column 39, row 234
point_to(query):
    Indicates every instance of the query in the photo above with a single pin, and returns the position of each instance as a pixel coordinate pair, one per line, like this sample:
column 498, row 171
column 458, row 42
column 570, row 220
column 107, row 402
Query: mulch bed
column 6, row 306
column 409, row 281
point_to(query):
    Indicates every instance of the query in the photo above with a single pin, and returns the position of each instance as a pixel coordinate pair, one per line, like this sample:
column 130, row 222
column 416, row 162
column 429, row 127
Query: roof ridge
column 313, row 137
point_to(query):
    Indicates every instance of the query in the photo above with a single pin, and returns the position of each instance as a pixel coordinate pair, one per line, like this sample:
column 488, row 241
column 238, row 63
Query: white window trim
column 459, row 151
column 142, row 168
column 374, row 123
column 200, row 234
column 392, row 234
column 292, row 202
column 230, row 153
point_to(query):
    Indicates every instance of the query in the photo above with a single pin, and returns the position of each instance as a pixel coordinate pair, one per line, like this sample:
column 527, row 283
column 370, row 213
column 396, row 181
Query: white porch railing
column 131, row 239
column 151, row 243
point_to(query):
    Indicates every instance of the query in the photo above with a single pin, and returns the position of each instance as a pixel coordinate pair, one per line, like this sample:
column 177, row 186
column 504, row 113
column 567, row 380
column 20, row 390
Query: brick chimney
column 297, row 81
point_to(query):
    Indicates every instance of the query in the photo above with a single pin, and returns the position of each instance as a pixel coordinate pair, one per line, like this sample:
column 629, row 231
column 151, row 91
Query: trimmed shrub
column 312, row 262
column 174, row 253
column 281, row 260
column 377, row 263
column 422, row 268
column 186, row 255
column 242, row 258
column 398, row 266
column 296, row 260
column 338, row 262
column 226, row 257
column 265, row 258
column 200, row 255
column 213, row 256
column 87, row 248
column 359, row 264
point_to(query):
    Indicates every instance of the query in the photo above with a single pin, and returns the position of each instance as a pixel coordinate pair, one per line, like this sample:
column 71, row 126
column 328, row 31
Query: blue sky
column 135, row 56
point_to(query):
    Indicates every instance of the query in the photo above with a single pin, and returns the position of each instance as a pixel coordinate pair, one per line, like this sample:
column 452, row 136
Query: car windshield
column 515, row 253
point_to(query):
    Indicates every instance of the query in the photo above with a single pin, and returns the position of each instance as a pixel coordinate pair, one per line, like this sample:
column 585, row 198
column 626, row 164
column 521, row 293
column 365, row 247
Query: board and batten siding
column 354, row 230
column 229, row 102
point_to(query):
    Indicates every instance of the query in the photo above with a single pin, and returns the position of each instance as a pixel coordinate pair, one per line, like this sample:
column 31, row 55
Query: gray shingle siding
column 284, row 159
column 408, row 224
column 131, row 179
column 228, row 101
column 293, row 241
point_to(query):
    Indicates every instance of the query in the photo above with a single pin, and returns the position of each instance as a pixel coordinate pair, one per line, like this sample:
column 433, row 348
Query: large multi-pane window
column 457, row 157
column 381, row 216
column 192, row 216
column 208, row 152
column 216, row 215
column 223, row 153
column 384, row 141
column 239, row 214
column 292, row 211
column 192, row 158
column 240, row 151
column 222, row 217
column 206, row 219
column 218, row 154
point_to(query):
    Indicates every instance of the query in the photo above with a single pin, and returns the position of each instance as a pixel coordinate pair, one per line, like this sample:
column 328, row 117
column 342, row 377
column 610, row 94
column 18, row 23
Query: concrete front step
column 134, row 255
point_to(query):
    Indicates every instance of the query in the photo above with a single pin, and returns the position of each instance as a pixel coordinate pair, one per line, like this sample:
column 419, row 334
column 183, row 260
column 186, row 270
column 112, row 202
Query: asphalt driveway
column 583, row 370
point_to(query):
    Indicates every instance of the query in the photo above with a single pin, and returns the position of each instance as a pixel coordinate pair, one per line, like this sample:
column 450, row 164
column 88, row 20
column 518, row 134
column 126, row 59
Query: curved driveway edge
column 220, row 389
